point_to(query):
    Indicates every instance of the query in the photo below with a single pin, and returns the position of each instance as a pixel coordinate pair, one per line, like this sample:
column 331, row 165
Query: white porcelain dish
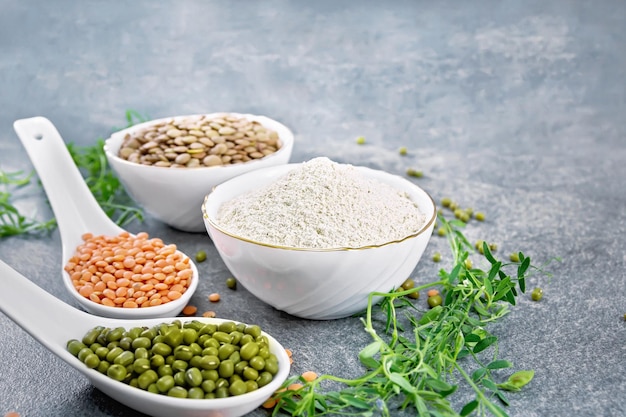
column 316, row 283
column 23, row 302
column 175, row 196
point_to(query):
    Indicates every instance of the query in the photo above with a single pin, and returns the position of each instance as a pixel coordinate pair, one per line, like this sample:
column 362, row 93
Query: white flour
column 322, row 204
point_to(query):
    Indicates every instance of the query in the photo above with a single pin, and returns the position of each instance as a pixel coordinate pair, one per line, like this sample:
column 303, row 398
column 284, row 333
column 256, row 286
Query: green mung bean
column 191, row 360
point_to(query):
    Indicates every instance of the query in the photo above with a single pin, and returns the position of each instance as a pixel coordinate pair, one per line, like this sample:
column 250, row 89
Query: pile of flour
column 322, row 204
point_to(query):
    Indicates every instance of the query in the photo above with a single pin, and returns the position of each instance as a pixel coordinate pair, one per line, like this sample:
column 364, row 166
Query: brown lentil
column 128, row 271
column 200, row 141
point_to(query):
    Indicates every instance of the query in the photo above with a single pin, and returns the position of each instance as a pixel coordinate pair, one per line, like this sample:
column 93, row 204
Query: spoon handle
column 46, row 318
column 75, row 208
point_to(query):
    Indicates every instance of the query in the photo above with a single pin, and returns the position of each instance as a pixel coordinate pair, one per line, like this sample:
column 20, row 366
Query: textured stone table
column 514, row 108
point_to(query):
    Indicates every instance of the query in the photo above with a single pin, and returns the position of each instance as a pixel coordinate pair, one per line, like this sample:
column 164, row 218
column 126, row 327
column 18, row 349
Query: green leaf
column 449, row 298
column 499, row 364
column 502, row 397
column 402, row 382
column 489, row 384
column 438, row 385
column 370, row 363
column 517, row 380
column 523, row 266
column 370, row 350
column 488, row 287
column 487, row 253
column 522, row 284
column 430, row 315
column 462, row 353
column 454, row 273
column 468, row 408
column 493, row 271
column 478, row 374
column 472, row 338
column 510, row 297
column 504, row 285
column 354, row 402
column 484, row 344
column 480, row 309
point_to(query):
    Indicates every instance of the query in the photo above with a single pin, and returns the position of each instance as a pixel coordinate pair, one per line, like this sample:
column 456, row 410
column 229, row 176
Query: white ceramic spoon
column 53, row 323
column 77, row 212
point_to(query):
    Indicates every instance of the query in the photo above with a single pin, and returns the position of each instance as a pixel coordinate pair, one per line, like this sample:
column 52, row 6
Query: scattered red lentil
column 190, row 310
column 269, row 403
column 214, row 298
column 295, row 386
column 209, row 314
column 309, row 376
column 12, row 414
column 128, row 271
column 432, row 292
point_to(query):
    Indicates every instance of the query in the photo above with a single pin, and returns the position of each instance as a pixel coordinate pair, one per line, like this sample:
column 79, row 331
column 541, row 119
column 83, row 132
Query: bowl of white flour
column 314, row 239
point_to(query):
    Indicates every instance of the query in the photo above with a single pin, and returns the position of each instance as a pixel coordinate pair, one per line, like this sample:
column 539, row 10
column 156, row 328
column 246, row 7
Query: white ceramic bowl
column 316, row 283
column 174, row 195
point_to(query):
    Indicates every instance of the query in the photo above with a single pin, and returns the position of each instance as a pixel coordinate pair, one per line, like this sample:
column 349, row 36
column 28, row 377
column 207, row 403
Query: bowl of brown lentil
column 168, row 165
column 315, row 239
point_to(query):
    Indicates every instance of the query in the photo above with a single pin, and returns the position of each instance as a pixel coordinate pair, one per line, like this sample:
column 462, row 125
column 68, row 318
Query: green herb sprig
column 12, row 221
column 442, row 348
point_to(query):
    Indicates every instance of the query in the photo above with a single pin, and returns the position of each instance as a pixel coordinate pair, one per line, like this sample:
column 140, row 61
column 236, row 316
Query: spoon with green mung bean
column 54, row 323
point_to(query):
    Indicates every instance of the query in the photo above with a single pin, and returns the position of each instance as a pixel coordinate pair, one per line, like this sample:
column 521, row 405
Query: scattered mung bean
column 536, row 294
column 434, row 301
column 412, row 172
column 200, row 256
column 231, row 283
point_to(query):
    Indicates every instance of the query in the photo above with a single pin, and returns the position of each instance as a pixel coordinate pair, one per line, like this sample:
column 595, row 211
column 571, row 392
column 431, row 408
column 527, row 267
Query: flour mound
column 322, row 204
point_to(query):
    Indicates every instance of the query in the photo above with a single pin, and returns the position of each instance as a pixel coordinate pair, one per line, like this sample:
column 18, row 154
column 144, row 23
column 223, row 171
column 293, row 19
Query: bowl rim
column 287, row 138
column 425, row 227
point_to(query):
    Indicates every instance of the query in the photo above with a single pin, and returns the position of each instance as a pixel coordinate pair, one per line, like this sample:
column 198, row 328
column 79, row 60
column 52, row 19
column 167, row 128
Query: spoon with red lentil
column 57, row 326
column 108, row 270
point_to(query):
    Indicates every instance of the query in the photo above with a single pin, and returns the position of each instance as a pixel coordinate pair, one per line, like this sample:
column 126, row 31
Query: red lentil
column 129, row 271
column 432, row 292
column 190, row 310
column 309, row 376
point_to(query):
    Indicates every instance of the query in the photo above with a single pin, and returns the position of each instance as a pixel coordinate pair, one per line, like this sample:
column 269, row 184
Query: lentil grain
column 120, row 271
column 199, row 141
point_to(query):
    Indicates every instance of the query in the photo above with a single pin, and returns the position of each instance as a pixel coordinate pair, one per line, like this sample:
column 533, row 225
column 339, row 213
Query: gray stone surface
column 515, row 108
